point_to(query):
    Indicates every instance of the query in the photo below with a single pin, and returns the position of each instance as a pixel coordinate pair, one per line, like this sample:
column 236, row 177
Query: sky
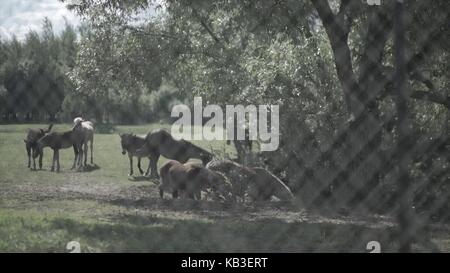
column 17, row 17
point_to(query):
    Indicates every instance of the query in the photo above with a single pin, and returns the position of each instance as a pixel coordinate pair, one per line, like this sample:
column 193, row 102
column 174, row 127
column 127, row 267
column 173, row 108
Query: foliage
column 328, row 64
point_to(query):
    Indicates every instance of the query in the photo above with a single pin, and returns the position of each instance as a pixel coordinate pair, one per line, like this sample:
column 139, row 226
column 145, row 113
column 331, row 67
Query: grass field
column 107, row 211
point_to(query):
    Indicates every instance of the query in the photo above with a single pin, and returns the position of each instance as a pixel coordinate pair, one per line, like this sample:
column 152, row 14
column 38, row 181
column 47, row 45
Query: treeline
column 33, row 81
column 36, row 83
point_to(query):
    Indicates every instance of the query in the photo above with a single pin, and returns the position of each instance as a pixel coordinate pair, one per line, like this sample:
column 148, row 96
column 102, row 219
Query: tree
column 33, row 73
column 328, row 64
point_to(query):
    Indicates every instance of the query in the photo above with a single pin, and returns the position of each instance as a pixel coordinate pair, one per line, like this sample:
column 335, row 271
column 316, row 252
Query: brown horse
column 239, row 175
column 62, row 140
column 191, row 179
column 33, row 135
column 265, row 184
column 258, row 183
column 160, row 142
column 130, row 144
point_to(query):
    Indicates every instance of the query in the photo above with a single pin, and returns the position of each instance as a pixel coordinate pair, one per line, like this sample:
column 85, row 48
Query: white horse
column 87, row 128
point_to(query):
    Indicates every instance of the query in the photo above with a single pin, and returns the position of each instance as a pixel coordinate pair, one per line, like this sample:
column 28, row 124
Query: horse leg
column 57, row 161
column 92, row 150
column 139, row 166
column 29, row 155
column 147, row 173
column 161, row 192
column 192, row 195
column 75, row 152
column 131, row 164
column 85, row 153
column 174, row 194
column 153, row 163
column 41, row 154
column 53, row 161
column 80, row 156
column 198, row 195
column 34, row 159
column 34, row 163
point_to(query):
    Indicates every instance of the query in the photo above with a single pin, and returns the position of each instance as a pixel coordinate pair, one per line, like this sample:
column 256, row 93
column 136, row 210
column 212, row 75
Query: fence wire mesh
column 380, row 162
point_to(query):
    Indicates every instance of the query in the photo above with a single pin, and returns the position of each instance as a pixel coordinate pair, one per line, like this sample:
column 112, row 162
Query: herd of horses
column 221, row 179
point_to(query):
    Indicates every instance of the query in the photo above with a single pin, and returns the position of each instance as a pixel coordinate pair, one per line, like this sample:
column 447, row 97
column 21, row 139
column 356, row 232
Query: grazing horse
column 191, row 179
column 258, row 183
column 265, row 185
column 160, row 142
column 239, row 175
column 87, row 129
column 130, row 144
column 62, row 140
column 33, row 135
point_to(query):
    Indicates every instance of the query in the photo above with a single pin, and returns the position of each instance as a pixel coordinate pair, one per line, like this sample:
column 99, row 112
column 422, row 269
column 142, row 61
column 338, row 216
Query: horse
column 160, row 142
column 33, row 135
column 258, row 183
column 87, row 129
column 62, row 140
column 130, row 144
column 191, row 179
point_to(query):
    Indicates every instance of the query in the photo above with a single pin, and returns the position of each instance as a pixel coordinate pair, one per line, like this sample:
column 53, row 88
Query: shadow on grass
column 143, row 178
column 87, row 168
column 90, row 168
column 134, row 233
column 148, row 200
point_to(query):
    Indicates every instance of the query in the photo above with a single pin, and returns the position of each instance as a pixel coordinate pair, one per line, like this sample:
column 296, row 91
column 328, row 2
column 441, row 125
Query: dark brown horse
column 33, row 135
column 191, row 179
column 258, row 183
column 239, row 175
column 130, row 144
column 160, row 142
column 62, row 140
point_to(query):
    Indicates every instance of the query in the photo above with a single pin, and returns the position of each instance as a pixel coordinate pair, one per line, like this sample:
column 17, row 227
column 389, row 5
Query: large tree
column 328, row 64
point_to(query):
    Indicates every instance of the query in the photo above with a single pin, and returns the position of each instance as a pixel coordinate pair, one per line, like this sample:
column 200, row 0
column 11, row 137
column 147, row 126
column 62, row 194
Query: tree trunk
column 360, row 146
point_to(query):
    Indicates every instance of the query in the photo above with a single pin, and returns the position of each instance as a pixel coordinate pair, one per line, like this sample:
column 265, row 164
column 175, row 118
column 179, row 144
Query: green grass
column 107, row 211
column 157, row 232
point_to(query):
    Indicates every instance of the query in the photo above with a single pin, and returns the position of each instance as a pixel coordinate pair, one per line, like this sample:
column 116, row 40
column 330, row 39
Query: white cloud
column 17, row 17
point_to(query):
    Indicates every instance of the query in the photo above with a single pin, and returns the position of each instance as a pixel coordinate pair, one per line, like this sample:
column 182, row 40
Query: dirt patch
column 145, row 196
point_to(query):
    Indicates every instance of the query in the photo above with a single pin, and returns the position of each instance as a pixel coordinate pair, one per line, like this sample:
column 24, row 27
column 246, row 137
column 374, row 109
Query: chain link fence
column 354, row 172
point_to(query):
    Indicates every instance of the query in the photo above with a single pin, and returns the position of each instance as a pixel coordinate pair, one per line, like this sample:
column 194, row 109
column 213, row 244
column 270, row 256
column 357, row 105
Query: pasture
column 107, row 211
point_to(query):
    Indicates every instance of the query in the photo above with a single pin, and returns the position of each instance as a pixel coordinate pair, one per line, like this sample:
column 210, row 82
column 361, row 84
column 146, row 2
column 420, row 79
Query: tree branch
column 426, row 47
column 432, row 97
column 337, row 31
column 142, row 31
column 205, row 26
